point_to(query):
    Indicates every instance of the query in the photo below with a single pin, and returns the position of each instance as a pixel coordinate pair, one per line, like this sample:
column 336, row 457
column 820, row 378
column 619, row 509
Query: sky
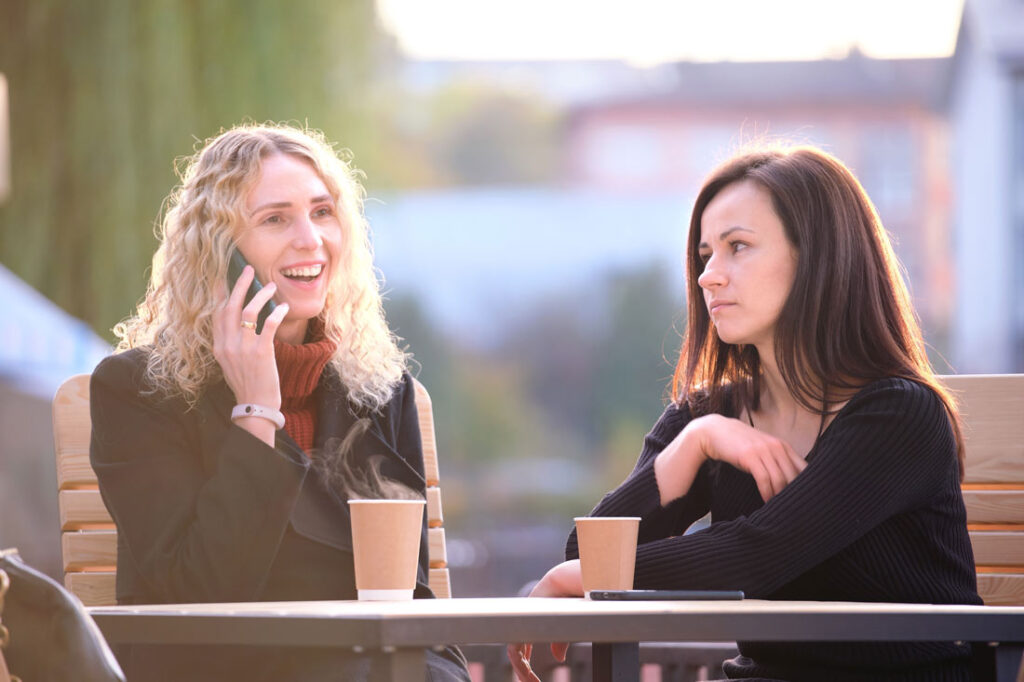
column 648, row 32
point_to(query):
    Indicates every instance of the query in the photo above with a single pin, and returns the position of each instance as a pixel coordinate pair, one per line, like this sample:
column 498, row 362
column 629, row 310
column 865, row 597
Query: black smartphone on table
column 236, row 264
column 664, row 595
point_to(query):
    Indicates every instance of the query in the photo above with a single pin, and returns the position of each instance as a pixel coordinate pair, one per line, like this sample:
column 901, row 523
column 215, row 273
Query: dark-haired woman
column 806, row 419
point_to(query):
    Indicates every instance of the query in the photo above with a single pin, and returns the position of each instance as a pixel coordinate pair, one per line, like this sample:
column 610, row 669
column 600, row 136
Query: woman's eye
column 738, row 246
column 273, row 219
column 703, row 258
column 323, row 212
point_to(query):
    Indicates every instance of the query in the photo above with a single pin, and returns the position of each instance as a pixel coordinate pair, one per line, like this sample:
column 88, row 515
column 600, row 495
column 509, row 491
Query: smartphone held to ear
column 236, row 264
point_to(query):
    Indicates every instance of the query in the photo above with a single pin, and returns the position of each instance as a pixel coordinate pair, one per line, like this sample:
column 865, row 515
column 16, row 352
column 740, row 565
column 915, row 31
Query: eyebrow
column 725, row 235
column 285, row 204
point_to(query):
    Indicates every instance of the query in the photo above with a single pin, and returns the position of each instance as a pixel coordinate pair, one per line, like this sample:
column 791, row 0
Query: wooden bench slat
column 436, row 548
column 89, row 549
column 429, row 440
column 74, row 471
column 993, row 417
column 440, row 583
column 82, row 509
column 93, row 589
column 72, row 429
column 435, row 517
column 1001, row 589
column 994, row 506
column 998, row 548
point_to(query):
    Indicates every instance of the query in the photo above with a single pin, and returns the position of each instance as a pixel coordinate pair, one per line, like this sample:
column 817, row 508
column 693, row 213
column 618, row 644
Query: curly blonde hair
column 202, row 219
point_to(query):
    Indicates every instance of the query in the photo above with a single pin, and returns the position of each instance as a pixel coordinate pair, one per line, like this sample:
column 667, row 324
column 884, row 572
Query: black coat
column 206, row 512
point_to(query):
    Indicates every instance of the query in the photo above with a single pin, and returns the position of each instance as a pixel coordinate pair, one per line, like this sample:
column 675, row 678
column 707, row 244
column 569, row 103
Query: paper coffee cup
column 386, row 547
column 607, row 551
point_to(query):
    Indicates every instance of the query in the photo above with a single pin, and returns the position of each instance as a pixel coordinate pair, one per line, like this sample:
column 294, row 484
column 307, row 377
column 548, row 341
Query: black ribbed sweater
column 876, row 515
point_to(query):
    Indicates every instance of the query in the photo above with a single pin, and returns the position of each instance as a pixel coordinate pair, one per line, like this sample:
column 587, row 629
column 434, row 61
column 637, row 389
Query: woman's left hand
column 564, row 580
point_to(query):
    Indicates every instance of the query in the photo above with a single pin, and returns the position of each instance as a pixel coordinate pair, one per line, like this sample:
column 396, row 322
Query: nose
column 712, row 276
column 306, row 234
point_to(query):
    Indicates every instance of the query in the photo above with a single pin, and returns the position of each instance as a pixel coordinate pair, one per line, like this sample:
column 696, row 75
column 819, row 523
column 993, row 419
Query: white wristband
column 251, row 410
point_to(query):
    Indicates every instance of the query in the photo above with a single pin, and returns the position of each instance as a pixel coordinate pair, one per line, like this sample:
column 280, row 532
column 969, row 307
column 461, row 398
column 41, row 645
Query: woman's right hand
column 246, row 358
column 771, row 461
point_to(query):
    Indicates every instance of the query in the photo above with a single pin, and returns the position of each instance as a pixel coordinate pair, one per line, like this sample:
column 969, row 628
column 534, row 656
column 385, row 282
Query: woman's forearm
column 676, row 467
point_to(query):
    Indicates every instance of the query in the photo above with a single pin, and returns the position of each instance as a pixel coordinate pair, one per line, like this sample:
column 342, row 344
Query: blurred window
column 887, row 168
column 625, row 153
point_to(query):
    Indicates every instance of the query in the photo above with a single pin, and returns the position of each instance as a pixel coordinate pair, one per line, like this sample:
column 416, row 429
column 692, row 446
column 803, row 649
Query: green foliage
column 637, row 350
column 473, row 133
column 105, row 94
column 493, row 138
column 482, row 410
column 544, row 424
column 581, row 376
column 602, row 357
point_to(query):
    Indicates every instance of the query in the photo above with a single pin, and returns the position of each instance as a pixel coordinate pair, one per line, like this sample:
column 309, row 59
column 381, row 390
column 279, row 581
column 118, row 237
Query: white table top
column 426, row 622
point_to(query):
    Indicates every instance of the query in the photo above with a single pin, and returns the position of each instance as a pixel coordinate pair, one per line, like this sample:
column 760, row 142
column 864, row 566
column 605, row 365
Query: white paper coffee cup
column 607, row 547
column 386, row 546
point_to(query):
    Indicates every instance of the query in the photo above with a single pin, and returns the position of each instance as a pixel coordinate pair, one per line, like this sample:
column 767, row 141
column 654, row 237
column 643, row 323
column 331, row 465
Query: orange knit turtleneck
column 299, row 368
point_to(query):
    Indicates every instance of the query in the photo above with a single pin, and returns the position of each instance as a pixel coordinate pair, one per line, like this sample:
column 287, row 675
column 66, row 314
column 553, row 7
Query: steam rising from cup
column 358, row 480
column 387, row 518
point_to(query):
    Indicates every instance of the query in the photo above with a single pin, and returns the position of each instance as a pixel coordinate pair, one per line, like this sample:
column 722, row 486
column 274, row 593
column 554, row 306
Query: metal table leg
column 1008, row 661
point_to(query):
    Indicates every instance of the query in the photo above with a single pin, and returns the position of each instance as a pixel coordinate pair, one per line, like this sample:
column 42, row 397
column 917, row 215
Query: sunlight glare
column 648, row 32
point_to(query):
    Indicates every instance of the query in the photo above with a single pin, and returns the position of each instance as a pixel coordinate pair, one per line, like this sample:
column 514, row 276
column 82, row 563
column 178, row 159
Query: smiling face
column 293, row 237
column 749, row 265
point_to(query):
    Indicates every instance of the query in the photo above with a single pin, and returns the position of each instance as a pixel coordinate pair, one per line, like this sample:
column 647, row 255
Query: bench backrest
column 88, row 535
column 992, row 408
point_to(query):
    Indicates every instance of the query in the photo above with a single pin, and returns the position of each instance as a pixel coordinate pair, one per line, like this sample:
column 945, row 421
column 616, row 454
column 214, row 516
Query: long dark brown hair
column 847, row 320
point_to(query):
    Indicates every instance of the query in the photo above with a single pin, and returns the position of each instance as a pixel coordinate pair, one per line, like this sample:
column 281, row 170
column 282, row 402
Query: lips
column 715, row 306
column 303, row 273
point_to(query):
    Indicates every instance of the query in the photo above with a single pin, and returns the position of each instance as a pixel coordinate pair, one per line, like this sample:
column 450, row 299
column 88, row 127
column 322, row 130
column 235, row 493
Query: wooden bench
column 88, row 535
column 992, row 407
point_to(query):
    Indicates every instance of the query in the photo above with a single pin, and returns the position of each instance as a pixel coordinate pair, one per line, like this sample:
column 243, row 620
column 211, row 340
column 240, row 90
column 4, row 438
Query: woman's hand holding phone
column 246, row 358
column 236, row 264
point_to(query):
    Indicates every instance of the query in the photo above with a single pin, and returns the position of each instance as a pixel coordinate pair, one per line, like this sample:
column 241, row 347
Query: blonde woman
column 216, row 428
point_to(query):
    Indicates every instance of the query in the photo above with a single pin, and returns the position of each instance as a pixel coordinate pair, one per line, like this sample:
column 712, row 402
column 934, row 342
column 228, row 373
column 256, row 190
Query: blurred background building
column 529, row 212
column 986, row 114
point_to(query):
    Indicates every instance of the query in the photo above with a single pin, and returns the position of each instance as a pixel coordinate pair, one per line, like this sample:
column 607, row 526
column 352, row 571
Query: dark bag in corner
column 51, row 637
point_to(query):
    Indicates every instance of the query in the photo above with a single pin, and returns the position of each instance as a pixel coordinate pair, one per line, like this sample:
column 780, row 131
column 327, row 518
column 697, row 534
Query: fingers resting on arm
column 771, row 461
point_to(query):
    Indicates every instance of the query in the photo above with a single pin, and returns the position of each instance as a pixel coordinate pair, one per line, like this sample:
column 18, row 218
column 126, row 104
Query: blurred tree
column 598, row 361
column 105, row 94
column 483, row 136
column 482, row 410
column 555, row 345
column 635, row 353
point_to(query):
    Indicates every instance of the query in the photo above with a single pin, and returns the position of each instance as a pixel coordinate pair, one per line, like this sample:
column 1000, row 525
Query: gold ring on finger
column 246, row 324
